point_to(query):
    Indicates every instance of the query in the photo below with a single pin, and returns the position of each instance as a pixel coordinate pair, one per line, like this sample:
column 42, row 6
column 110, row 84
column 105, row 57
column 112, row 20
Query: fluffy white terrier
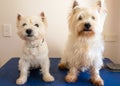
column 85, row 44
column 32, row 29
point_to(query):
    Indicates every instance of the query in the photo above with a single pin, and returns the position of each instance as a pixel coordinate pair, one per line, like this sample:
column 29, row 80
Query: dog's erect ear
column 74, row 6
column 19, row 17
column 75, row 3
column 42, row 16
column 100, row 5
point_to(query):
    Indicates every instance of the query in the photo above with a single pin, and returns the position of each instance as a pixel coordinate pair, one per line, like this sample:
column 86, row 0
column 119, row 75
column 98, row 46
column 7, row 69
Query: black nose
column 87, row 25
column 28, row 31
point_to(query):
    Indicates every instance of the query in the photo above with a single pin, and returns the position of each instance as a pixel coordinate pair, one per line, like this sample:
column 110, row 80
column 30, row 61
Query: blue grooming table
column 9, row 73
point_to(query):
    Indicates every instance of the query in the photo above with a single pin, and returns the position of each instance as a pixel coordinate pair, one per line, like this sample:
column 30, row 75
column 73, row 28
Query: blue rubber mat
column 9, row 73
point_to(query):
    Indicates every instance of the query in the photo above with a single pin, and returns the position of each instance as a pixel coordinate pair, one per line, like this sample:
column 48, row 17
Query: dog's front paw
column 70, row 78
column 21, row 80
column 48, row 78
column 97, row 82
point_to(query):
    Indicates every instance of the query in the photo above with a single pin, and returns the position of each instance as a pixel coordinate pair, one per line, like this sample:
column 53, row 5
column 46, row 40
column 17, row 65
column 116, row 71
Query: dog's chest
column 86, row 47
column 33, row 56
column 33, row 51
column 81, row 48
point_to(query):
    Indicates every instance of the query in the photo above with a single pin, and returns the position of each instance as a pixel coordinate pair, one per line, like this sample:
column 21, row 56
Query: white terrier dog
column 85, row 43
column 32, row 29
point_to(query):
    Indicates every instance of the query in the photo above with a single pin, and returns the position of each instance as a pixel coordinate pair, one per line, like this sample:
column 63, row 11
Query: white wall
column 56, row 12
column 112, row 27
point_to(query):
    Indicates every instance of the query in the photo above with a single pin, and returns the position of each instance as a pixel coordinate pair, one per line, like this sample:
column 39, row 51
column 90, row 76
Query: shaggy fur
column 32, row 30
column 85, row 44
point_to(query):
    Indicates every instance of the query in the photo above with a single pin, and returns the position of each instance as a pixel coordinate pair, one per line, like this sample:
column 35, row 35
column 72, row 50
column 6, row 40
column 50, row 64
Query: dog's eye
column 24, row 24
column 36, row 25
column 93, row 17
column 80, row 18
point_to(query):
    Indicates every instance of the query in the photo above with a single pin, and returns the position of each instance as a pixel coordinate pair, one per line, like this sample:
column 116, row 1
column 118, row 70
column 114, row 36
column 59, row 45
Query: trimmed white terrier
column 32, row 29
column 85, row 44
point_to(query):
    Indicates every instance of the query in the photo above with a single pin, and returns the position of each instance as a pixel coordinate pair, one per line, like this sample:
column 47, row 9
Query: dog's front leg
column 95, row 77
column 72, row 75
column 45, row 71
column 24, row 68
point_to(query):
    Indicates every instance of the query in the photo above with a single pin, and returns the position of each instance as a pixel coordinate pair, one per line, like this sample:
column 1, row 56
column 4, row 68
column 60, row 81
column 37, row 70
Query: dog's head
column 86, row 21
column 31, row 27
